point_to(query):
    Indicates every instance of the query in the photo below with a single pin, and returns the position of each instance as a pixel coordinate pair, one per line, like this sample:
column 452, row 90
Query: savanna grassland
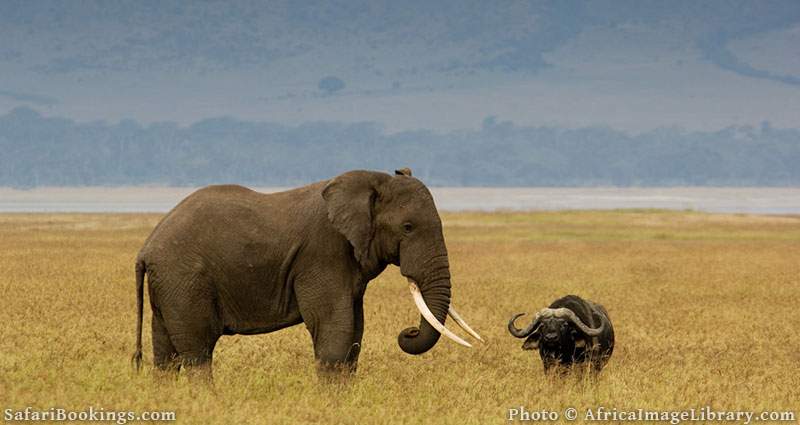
column 705, row 309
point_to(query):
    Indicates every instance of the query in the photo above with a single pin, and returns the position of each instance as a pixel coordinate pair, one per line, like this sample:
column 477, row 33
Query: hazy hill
column 39, row 151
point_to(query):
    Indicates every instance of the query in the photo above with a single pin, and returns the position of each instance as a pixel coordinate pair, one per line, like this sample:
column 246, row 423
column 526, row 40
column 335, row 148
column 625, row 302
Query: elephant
column 228, row 260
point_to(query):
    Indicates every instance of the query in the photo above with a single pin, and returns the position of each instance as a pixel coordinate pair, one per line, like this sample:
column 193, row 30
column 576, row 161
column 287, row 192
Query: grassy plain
column 705, row 309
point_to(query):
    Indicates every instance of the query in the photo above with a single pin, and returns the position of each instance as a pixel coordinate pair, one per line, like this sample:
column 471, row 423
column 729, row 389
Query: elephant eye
column 408, row 227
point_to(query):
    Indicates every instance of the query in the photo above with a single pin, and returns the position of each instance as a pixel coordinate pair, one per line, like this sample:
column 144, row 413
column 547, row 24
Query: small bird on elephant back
column 228, row 260
column 570, row 332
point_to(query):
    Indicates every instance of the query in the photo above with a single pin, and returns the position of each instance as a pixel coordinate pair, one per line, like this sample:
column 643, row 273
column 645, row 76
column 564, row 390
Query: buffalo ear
column 579, row 338
column 532, row 343
column 349, row 199
column 403, row 172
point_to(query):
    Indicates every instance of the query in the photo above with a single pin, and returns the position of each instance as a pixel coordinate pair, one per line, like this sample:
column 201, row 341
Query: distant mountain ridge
column 42, row 151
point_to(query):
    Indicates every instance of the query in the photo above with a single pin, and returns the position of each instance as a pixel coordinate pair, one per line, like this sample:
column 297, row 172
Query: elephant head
column 393, row 220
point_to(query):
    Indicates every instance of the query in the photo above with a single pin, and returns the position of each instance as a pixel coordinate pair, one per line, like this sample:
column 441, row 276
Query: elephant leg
column 198, row 365
column 194, row 329
column 335, row 350
column 358, row 333
column 196, row 349
column 333, row 332
column 165, row 356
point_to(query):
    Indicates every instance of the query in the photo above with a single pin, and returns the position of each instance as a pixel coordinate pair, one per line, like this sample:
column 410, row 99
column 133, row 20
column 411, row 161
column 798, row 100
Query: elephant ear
column 350, row 199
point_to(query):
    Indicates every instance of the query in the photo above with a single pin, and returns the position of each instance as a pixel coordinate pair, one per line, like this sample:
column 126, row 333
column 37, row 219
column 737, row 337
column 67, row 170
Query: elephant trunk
column 432, row 295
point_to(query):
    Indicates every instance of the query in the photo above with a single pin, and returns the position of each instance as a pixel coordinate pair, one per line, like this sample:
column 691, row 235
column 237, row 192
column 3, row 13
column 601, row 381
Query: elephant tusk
column 428, row 315
column 457, row 317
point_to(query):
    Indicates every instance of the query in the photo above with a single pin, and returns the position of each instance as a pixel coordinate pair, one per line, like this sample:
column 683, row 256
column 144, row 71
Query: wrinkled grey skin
column 228, row 260
column 561, row 344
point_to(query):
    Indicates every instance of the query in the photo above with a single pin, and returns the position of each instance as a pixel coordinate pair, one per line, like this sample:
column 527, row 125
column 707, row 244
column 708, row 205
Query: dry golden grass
column 705, row 309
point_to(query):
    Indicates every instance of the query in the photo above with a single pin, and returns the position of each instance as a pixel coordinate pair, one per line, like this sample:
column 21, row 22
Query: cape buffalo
column 572, row 330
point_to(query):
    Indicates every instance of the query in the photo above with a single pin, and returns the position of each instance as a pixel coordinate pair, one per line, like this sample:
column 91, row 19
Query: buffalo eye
column 408, row 227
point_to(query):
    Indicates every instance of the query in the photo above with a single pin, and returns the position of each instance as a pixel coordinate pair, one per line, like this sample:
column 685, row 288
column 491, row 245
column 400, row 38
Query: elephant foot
column 200, row 376
column 336, row 374
column 338, row 371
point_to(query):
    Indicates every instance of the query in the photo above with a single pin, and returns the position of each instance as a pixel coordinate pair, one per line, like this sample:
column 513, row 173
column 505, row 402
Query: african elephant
column 228, row 260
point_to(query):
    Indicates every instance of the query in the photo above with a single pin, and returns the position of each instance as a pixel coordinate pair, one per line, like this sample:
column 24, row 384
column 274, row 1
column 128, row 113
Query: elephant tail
column 140, row 272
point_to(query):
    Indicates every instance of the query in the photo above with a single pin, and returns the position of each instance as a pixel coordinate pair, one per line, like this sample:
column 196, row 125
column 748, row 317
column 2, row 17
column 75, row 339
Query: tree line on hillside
column 43, row 151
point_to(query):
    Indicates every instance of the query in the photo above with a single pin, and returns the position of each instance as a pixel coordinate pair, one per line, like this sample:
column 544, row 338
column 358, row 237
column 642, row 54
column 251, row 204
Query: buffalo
column 571, row 331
